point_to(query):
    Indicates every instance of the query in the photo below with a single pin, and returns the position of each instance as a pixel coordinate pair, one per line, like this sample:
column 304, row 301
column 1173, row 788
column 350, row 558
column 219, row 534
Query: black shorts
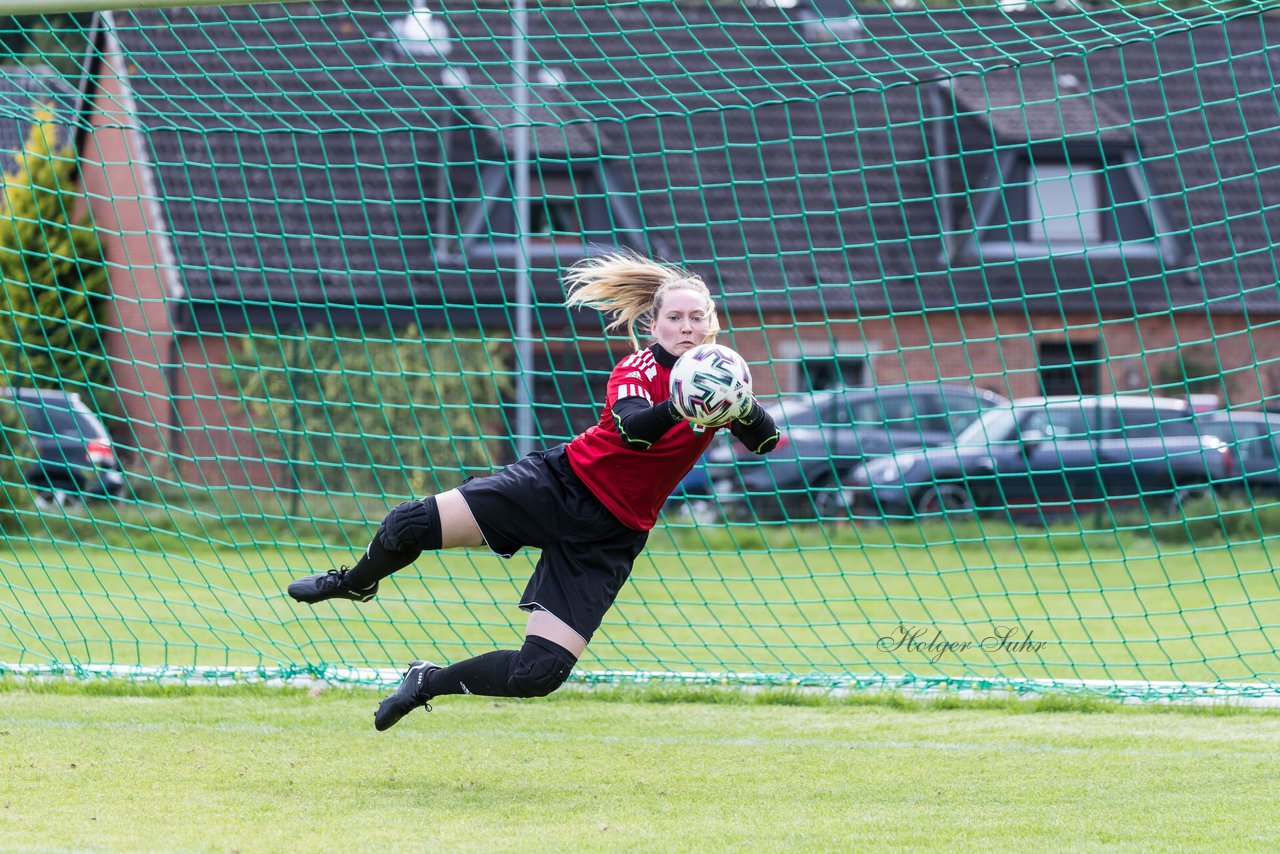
column 587, row 554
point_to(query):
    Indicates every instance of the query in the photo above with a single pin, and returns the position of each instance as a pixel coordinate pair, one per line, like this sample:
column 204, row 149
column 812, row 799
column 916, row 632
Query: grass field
column 115, row 766
column 791, row 603
column 112, row 767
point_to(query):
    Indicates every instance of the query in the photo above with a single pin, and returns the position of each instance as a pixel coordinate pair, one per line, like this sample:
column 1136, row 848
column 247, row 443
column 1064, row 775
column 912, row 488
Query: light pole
column 524, row 289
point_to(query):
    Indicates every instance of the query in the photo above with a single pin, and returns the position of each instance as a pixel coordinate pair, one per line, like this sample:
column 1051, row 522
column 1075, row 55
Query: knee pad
column 541, row 668
column 413, row 526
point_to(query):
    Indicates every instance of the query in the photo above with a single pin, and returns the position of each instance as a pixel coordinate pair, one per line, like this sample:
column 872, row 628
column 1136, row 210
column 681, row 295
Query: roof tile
column 298, row 151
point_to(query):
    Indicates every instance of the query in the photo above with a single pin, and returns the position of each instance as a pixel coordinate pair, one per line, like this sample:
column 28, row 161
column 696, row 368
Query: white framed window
column 1064, row 204
column 1041, row 204
column 571, row 209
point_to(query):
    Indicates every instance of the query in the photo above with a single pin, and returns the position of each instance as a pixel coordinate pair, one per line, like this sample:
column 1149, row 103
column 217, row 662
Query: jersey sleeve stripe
column 633, row 390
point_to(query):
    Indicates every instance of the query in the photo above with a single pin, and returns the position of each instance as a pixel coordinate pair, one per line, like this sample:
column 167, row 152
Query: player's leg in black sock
column 535, row 670
column 410, row 529
column 407, row 531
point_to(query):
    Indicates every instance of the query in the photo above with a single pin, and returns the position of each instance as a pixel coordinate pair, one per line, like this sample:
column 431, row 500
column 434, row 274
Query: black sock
column 535, row 670
column 376, row 564
column 486, row 675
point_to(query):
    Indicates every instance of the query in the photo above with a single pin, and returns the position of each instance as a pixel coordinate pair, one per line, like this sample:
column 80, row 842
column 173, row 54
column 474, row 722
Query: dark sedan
column 1255, row 436
column 1054, row 457
column 74, row 457
column 826, row 435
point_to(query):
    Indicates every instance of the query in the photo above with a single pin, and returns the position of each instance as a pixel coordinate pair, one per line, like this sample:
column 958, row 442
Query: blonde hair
column 630, row 288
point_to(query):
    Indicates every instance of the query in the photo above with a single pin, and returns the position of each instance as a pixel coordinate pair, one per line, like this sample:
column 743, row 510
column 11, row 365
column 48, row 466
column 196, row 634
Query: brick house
column 1022, row 200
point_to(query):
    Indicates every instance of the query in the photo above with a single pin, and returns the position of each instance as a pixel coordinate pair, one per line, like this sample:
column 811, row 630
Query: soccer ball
column 710, row 385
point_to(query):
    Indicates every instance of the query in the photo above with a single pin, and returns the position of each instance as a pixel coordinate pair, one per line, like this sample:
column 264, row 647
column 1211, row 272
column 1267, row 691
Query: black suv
column 74, row 458
column 1056, row 456
column 828, row 434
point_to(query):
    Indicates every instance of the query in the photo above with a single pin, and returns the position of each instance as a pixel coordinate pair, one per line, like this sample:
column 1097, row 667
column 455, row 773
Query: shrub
column 1233, row 519
column 15, row 453
column 406, row 414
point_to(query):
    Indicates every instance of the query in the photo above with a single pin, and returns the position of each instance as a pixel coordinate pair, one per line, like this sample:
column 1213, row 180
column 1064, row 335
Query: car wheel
column 832, row 503
column 945, row 499
column 1180, row 498
column 703, row 511
column 53, row 499
column 730, row 511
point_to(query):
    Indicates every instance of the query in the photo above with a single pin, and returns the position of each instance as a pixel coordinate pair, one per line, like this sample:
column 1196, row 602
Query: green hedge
column 407, row 414
column 15, row 454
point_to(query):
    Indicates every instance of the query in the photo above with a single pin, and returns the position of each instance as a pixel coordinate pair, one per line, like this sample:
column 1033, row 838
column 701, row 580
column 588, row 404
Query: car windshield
column 995, row 425
column 1228, row 428
column 1253, row 439
column 56, row 418
column 803, row 411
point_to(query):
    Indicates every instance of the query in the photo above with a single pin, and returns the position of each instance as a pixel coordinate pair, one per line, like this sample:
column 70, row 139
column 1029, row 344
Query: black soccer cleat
column 411, row 694
column 329, row 585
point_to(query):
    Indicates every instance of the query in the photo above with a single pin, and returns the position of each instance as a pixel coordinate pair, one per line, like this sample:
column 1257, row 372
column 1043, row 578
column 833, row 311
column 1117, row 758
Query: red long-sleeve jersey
column 633, row 483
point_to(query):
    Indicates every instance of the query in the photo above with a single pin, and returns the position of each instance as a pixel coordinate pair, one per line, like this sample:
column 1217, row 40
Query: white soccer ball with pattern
column 711, row 385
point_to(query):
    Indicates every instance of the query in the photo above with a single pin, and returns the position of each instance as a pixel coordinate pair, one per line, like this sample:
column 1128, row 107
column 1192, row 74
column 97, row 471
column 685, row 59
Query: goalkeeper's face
column 682, row 322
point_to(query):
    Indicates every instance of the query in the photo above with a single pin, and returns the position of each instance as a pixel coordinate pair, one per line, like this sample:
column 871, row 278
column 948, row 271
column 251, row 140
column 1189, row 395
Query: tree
column 54, row 274
column 57, row 40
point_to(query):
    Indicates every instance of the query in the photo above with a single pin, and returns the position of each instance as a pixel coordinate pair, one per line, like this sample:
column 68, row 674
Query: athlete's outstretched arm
column 756, row 430
column 641, row 424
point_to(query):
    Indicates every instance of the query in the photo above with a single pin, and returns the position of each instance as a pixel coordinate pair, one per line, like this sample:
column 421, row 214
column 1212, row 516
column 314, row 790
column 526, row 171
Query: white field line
column 1233, row 693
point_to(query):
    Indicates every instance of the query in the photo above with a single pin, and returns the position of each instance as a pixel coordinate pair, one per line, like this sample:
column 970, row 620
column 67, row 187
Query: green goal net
column 1006, row 273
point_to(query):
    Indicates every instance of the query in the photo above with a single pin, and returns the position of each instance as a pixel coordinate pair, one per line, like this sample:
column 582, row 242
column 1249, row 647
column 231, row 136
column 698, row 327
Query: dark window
column 834, row 412
column 561, row 208
column 1060, row 421
column 1151, row 422
column 837, row 411
column 1106, row 423
column 806, row 411
column 827, row 372
column 568, row 207
column 961, row 410
column 59, row 418
column 1049, row 204
column 1128, row 217
column 900, row 412
column 870, row 410
column 1253, row 440
column 565, row 385
column 1255, row 443
column 33, row 417
column 1177, row 425
column 1138, row 422
column 1069, row 367
column 931, row 413
column 555, row 216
